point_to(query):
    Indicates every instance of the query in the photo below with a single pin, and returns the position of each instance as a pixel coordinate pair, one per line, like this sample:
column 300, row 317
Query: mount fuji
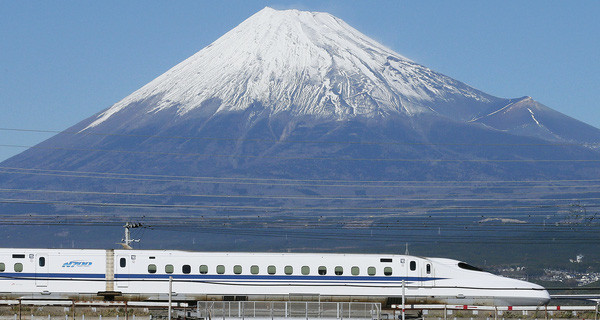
column 299, row 96
column 294, row 64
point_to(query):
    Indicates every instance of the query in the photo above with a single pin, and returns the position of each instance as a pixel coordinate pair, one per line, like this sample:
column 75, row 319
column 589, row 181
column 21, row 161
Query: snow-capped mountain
column 294, row 64
column 302, row 95
column 297, row 113
column 303, row 63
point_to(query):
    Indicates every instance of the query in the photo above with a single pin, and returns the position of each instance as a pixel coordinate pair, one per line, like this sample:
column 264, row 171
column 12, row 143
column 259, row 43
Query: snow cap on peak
column 266, row 11
column 301, row 62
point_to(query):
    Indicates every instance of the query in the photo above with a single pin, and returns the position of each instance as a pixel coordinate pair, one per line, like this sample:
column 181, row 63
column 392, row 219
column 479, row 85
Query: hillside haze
column 296, row 113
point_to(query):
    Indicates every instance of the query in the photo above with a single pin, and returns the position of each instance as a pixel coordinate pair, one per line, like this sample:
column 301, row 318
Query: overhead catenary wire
column 333, row 229
column 386, row 238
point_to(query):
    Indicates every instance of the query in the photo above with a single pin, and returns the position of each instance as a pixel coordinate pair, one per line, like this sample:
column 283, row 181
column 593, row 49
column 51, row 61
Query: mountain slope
column 529, row 118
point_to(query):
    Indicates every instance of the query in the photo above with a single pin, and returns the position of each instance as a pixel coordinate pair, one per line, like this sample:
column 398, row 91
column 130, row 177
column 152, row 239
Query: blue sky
column 63, row 61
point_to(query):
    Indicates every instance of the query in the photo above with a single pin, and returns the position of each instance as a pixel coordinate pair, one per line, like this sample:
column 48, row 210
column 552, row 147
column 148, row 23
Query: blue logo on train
column 76, row 263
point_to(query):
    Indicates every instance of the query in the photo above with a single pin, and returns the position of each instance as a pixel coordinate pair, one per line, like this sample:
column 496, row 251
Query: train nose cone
column 529, row 294
column 538, row 292
column 542, row 294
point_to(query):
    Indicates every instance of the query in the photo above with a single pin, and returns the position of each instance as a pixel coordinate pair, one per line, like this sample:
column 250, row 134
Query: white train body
column 145, row 274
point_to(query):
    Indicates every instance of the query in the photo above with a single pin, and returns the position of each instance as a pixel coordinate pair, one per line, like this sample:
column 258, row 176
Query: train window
column 122, row 262
column 355, row 271
column 169, row 268
column 220, row 269
column 271, row 269
column 387, row 271
column 413, row 265
column 305, row 270
column 203, row 269
column 186, row 268
column 322, row 270
column 254, row 269
column 151, row 268
column 465, row 266
column 237, row 269
column 42, row 261
column 428, row 268
column 288, row 270
column 18, row 267
column 2, row 267
column 371, row 271
column 338, row 271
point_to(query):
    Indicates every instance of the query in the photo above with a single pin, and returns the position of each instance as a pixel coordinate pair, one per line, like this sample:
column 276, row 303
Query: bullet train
column 231, row 276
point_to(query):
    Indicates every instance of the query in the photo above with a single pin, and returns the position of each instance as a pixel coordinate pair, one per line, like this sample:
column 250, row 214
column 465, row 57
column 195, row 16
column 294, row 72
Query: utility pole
column 170, row 296
column 127, row 241
column 403, row 300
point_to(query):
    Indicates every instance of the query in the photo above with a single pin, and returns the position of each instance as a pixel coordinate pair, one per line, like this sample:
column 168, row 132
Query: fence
column 275, row 310
column 287, row 309
column 446, row 312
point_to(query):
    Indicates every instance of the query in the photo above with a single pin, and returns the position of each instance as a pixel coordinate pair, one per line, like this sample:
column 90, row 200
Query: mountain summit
column 303, row 63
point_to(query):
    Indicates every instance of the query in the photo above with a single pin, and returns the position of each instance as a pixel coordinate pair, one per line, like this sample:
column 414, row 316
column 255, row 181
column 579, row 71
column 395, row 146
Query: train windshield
column 463, row 265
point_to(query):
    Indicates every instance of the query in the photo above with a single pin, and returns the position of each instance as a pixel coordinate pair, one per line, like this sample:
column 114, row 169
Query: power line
column 338, row 218
column 379, row 237
column 328, row 224
column 294, row 197
column 303, row 218
column 93, row 133
column 336, row 230
column 456, row 212
column 213, row 155
column 266, row 208
column 283, row 181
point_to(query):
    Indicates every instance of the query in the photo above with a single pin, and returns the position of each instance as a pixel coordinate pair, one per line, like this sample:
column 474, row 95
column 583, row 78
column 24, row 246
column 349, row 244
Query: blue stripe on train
column 52, row 275
column 273, row 277
column 256, row 278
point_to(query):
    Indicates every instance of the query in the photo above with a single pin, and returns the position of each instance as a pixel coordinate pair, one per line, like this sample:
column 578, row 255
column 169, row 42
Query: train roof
column 225, row 253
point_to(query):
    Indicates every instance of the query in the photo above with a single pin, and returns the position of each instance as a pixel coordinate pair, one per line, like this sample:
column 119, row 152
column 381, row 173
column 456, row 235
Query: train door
column 427, row 274
column 41, row 270
column 122, row 274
